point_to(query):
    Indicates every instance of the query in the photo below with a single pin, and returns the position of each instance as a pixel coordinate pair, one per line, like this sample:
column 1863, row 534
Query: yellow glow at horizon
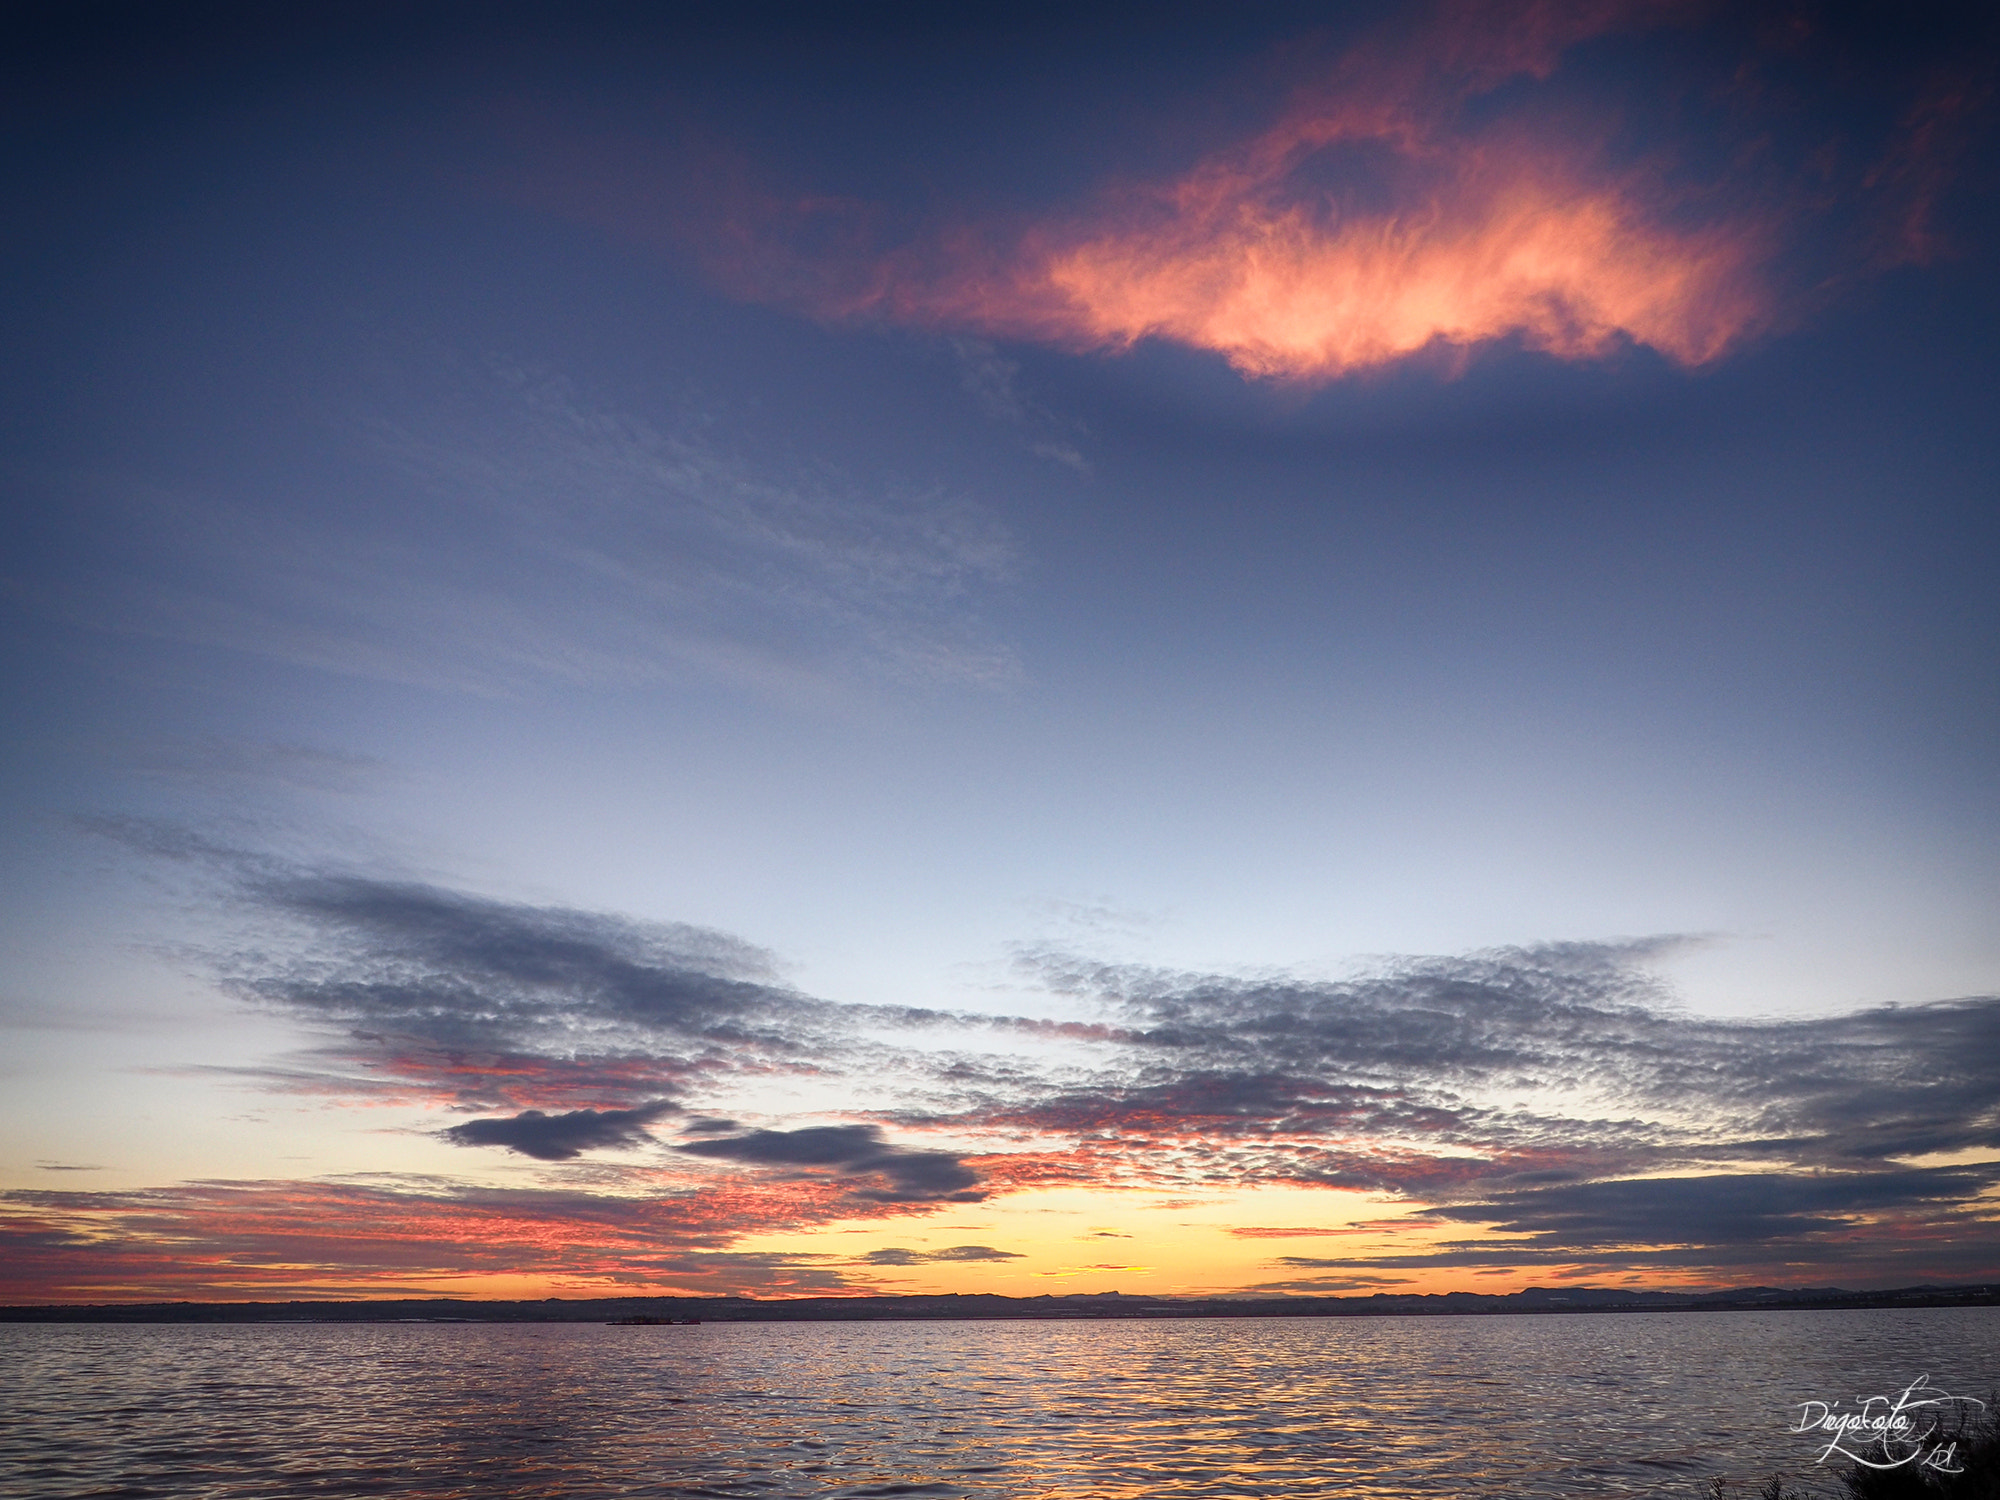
column 1072, row 1240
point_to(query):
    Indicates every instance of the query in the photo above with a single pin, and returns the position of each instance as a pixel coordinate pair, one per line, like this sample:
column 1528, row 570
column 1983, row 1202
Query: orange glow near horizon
column 1059, row 1240
column 276, row 1241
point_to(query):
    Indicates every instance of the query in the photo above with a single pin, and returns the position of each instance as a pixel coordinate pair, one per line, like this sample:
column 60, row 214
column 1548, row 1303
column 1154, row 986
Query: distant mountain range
column 1583, row 1299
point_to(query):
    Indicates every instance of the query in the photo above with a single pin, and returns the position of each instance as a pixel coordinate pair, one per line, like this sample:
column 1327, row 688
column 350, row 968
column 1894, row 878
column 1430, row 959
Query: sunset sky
column 1193, row 649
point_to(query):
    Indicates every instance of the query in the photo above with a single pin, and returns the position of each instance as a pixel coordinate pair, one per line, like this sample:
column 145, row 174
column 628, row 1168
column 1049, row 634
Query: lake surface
column 1300, row 1408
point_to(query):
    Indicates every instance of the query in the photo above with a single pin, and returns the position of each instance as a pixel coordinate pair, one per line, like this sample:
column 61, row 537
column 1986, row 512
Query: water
column 1597, row 1405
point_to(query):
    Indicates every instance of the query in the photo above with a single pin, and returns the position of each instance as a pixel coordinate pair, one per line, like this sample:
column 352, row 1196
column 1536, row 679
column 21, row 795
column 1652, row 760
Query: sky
column 870, row 649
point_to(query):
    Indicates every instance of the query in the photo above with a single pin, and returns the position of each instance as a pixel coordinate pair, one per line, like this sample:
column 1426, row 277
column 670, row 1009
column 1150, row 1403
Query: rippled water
column 1294, row 1407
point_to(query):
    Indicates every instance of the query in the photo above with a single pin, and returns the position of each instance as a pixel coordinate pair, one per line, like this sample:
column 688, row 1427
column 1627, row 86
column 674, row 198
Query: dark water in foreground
column 1565, row 1405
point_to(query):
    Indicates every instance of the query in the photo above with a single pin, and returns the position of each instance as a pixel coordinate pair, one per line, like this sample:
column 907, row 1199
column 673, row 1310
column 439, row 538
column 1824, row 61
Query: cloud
column 1223, row 1102
column 1565, row 179
column 1324, row 1286
column 492, row 1001
column 676, row 552
column 1527, row 1012
column 1552, row 1099
column 990, row 380
column 561, row 1137
column 235, row 763
column 1922, row 160
column 1292, row 1231
column 1552, row 1095
column 902, row 1175
column 1883, row 1227
column 957, row 1253
column 501, row 530
column 1454, row 1050
column 1392, row 208
column 993, row 382
column 407, row 1236
column 1732, row 1209
column 428, row 995
column 455, row 967
column 1458, row 1083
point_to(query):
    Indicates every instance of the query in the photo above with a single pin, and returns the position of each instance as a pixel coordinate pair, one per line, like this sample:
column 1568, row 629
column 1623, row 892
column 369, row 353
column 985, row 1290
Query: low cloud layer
column 1555, row 1098
column 955, row 1255
column 460, row 970
column 561, row 1137
column 1544, row 1106
column 1736, row 1209
column 1569, row 1056
column 430, row 994
column 886, row 1173
column 235, row 1240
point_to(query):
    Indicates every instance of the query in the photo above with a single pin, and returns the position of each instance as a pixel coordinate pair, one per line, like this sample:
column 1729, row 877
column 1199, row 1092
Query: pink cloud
column 1369, row 223
column 244, row 1240
column 1435, row 188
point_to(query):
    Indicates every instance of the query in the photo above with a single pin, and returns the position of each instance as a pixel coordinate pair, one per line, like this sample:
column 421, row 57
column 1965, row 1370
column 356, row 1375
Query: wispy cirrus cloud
column 236, row 763
column 668, row 545
column 535, row 535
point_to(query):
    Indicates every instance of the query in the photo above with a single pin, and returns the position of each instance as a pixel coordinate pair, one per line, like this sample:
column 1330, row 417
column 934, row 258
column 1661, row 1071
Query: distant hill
column 1533, row 1300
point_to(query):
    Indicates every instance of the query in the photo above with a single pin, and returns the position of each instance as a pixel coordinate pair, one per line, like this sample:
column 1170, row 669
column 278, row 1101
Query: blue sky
column 1326, row 514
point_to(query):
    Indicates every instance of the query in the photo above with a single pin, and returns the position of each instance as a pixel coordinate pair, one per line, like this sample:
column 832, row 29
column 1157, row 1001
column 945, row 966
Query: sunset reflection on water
column 1621, row 1404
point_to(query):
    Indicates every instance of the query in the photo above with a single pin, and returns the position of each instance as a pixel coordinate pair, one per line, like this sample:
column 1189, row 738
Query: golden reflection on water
column 1375, row 1408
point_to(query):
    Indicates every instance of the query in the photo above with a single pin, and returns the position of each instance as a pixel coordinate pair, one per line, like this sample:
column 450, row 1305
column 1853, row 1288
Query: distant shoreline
column 991, row 1307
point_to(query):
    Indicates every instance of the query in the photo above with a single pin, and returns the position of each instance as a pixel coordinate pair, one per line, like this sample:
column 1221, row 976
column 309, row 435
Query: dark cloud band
column 895, row 1174
column 562, row 1137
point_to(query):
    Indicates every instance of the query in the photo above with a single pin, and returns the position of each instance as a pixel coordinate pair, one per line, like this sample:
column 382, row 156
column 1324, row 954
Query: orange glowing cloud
column 1505, row 247
column 1371, row 222
column 1469, row 174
